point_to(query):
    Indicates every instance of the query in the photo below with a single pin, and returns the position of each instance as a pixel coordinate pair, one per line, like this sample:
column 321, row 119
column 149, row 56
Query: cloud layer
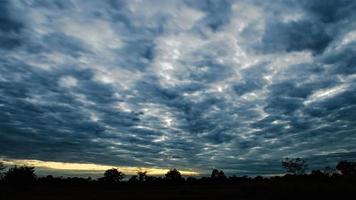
column 235, row 85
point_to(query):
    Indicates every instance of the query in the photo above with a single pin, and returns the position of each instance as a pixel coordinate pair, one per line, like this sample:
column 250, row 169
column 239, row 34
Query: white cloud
column 68, row 81
column 96, row 33
column 323, row 94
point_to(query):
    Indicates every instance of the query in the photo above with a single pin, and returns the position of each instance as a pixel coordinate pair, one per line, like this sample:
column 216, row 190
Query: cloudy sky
column 192, row 84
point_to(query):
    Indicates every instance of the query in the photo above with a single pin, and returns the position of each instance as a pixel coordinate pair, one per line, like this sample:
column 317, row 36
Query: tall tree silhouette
column 296, row 166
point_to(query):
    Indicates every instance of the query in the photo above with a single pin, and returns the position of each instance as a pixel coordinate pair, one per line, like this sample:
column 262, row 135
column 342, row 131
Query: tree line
column 295, row 168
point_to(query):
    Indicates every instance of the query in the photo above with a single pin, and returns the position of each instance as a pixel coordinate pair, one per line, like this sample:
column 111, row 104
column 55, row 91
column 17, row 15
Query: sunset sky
column 192, row 84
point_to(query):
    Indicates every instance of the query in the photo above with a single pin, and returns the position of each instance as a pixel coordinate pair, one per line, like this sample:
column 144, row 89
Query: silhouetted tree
column 22, row 175
column 112, row 176
column 217, row 175
column 347, row 168
column 142, row 176
column 296, row 166
column 2, row 168
column 173, row 175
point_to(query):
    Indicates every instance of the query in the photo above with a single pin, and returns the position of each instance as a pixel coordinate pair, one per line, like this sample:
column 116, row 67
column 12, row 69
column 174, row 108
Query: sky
column 192, row 84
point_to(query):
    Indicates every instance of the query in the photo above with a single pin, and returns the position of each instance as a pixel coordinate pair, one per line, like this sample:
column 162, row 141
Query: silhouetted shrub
column 347, row 168
column 296, row 166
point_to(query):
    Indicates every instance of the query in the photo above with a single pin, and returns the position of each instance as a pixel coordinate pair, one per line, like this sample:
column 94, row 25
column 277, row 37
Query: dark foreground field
column 21, row 183
column 257, row 190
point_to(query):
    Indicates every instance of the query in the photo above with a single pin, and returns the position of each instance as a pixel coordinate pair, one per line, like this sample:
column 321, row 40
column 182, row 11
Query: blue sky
column 234, row 85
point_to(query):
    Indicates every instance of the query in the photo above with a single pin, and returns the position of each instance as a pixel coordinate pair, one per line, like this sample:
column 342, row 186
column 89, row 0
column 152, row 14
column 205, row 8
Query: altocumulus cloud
column 235, row 85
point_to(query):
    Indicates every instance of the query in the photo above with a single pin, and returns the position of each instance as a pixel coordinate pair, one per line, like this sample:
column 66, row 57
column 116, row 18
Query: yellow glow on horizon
column 92, row 167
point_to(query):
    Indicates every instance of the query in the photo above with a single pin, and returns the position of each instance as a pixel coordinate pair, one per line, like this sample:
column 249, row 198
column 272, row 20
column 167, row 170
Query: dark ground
column 261, row 190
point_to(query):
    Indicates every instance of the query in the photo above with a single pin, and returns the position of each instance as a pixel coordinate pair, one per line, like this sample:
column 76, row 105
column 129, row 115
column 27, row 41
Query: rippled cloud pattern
column 236, row 85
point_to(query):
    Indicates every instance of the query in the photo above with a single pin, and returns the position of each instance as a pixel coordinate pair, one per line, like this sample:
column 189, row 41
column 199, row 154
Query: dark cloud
column 296, row 36
column 10, row 27
column 8, row 22
column 330, row 11
column 217, row 12
column 318, row 24
column 59, row 42
column 342, row 60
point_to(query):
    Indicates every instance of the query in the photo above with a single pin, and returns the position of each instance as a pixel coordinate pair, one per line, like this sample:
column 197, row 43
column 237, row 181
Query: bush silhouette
column 347, row 168
column 296, row 166
column 329, row 171
column 22, row 175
